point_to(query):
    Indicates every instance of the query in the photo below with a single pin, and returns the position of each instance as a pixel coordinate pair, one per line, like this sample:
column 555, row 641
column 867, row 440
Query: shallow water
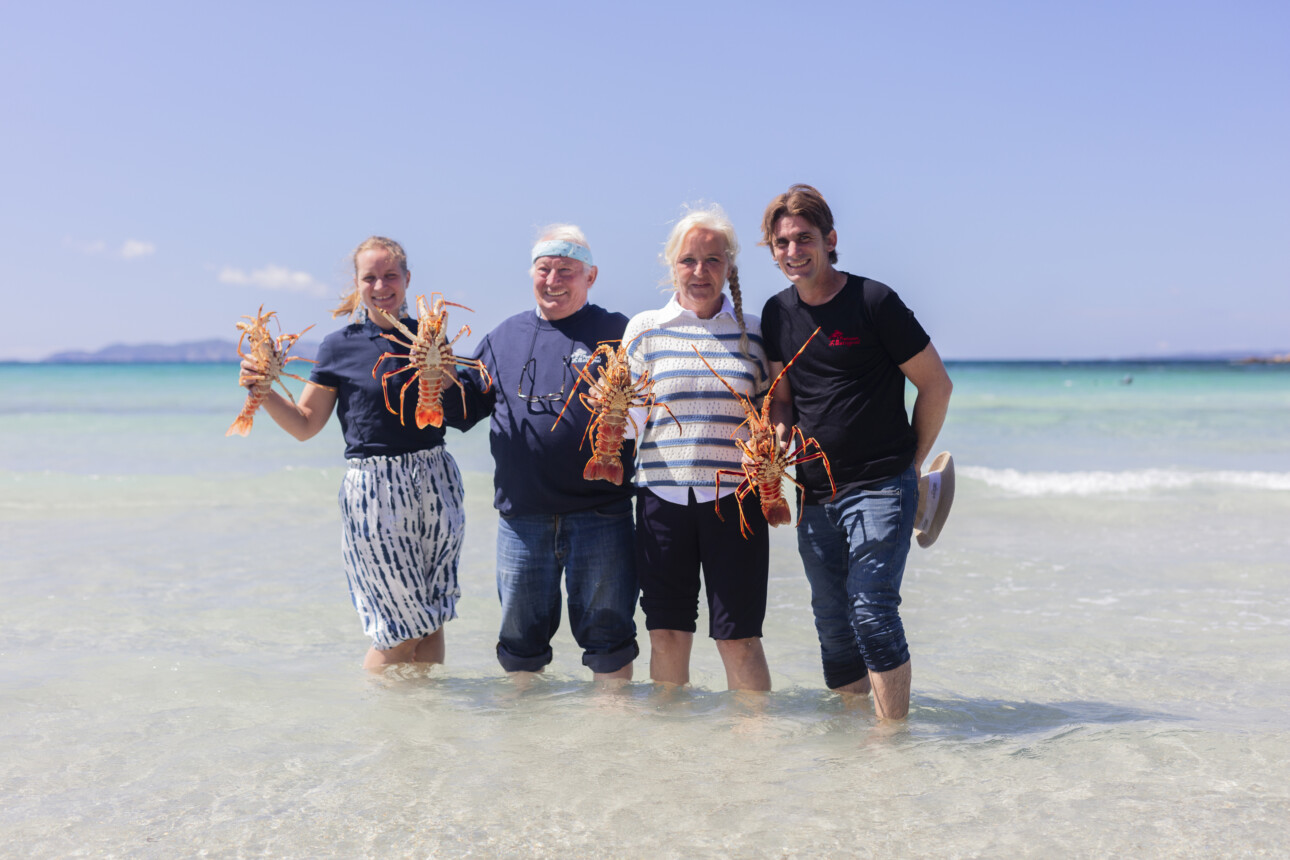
column 1099, row 637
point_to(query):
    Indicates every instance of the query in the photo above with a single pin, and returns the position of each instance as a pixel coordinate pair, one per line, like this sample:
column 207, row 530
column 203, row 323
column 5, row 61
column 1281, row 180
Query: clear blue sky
column 1076, row 180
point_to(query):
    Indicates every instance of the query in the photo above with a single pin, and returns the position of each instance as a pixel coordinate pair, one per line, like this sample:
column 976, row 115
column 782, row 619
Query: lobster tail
column 241, row 426
column 429, row 402
column 431, row 414
column 775, row 510
column 604, row 469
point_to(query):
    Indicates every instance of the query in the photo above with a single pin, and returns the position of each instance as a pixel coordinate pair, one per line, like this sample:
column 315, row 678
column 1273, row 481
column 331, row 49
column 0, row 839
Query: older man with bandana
column 552, row 521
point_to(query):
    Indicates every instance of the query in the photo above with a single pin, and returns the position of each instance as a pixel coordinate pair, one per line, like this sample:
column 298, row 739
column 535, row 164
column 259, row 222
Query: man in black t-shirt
column 847, row 391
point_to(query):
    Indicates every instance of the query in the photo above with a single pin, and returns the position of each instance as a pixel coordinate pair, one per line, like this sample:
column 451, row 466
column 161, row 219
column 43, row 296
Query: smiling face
column 802, row 253
column 381, row 283
column 560, row 285
column 700, row 271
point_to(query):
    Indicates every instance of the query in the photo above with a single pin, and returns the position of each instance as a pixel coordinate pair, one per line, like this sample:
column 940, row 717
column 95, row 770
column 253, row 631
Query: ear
column 831, row 241
column 591, row 277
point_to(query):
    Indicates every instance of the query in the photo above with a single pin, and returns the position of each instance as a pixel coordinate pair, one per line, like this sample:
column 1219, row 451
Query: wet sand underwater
column 1099, row 640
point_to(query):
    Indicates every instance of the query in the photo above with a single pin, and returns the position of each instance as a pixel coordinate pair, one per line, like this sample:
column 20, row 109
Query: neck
column 823, row 288
column 703, row 312
column 543, row 314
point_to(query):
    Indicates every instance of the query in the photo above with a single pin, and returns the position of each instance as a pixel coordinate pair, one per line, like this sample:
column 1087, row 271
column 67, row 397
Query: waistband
column 379, row 461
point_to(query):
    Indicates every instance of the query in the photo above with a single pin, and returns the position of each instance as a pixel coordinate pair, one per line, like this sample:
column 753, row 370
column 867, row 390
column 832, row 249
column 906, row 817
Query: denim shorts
column 854, row 550
column 594, row 550
column 402, row 523
column 673, row 540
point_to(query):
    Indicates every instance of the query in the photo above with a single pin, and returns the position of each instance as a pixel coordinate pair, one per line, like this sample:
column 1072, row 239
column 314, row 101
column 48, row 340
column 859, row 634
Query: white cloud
column 131, row 249
column 273, row 277
column 136, row 248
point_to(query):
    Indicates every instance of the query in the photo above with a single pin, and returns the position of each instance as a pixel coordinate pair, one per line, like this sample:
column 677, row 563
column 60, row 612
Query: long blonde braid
column 736, row 299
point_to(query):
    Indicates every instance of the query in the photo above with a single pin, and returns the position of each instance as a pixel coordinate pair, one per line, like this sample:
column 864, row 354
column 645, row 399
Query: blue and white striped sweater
column 706, row 409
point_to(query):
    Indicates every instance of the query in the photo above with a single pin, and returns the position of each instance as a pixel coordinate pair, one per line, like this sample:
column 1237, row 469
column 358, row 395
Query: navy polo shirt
column 345, row 362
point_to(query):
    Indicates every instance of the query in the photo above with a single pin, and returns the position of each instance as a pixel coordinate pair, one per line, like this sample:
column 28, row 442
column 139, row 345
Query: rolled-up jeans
column 854, row 550
column 595, row 552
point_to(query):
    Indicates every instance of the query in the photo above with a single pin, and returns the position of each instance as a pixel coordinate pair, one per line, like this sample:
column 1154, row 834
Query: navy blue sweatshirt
column 539, row 470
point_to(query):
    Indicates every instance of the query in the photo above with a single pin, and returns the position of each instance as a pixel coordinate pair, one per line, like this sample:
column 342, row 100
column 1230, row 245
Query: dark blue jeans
column 595, row 552
column 854, row 550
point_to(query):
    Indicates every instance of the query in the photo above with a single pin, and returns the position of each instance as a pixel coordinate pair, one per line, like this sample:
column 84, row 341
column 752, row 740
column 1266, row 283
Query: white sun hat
column 935, row 495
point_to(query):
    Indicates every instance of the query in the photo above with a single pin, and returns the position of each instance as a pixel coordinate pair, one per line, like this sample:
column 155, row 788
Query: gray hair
column 711, row 217
column 560, row 233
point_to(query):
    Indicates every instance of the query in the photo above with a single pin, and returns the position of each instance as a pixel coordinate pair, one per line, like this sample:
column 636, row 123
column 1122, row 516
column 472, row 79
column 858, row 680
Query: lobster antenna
column 771, row 391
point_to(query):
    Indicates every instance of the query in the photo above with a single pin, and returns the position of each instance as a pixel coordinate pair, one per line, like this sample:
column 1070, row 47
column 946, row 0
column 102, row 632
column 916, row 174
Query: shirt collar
column 673, row 311
column 537, row 314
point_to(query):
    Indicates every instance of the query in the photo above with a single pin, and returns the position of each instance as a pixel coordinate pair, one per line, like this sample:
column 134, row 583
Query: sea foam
column 1095, row 483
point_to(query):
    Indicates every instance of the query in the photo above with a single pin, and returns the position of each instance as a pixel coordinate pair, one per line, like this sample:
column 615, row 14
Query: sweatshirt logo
column 580, row 356
column 840, row 339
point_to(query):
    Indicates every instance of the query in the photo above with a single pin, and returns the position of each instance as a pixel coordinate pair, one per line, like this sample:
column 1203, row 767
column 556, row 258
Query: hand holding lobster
column 609, row 400
column 765, row 459
column 262, row 366
column 430, row 358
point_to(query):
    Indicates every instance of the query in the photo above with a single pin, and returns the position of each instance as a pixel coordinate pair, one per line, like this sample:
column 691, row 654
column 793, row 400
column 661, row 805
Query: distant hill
column 196, row 352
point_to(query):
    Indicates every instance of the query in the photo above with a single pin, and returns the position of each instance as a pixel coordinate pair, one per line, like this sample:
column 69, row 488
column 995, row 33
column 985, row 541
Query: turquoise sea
column 1101, row 647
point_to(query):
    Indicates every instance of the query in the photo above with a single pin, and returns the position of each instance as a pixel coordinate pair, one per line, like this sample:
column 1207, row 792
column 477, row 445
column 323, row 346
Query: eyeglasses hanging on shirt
column 528, row 376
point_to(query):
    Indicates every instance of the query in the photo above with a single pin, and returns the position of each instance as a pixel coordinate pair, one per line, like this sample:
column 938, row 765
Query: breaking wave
column 1111, row 483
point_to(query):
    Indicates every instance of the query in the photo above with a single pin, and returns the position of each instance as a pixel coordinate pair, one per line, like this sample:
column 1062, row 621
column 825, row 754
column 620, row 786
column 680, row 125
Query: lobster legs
column 766, row 477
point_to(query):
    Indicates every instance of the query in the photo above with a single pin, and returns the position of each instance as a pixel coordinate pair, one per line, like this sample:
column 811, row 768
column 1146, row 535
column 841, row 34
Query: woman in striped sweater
column 677, row 527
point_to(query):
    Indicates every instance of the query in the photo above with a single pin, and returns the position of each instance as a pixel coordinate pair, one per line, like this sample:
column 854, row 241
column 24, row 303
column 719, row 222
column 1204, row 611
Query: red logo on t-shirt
column 840, row 339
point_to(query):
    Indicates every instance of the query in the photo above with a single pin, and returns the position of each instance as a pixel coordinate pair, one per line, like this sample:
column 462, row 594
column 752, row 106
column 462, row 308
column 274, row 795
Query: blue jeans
column 854, row 550
column 595, row 551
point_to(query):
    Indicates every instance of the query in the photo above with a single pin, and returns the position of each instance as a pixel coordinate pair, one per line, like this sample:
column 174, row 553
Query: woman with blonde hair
column 401, row 499
column 678, row 530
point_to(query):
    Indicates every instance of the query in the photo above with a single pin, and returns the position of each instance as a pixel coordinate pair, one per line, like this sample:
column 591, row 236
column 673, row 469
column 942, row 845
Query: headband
column 561, row 248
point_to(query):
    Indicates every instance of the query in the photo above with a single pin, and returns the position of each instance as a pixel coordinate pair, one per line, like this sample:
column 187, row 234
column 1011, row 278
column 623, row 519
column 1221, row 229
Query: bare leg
column 613, row 680
column 523, row 680
column 745, row 663
column 855, row 696
column 426, row 649
column 891, row 692
column 669, row 656
column 430, row 649
column 377, row 660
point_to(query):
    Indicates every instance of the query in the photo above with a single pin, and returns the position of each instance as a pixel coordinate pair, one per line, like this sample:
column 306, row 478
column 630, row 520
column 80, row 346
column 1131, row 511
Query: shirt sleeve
column 478, row 401
column 636, row 363
column 770, row 330
column 900, row 332
column 324, row 369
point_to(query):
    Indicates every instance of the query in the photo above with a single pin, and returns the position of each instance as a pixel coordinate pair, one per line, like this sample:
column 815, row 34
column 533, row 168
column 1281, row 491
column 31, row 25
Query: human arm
column 927, row 372
column 304, row 418
column 465, row 400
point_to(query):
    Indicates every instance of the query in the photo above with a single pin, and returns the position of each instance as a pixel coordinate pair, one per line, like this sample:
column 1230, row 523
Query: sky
column 1037, row 181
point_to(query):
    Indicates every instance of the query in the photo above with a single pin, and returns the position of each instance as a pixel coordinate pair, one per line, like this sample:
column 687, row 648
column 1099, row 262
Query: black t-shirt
column 848, row 390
